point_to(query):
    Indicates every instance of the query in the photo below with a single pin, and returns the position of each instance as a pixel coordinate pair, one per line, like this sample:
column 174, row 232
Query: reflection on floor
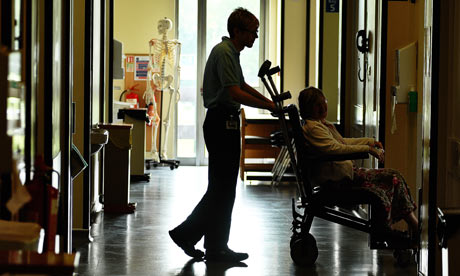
column 138, row 244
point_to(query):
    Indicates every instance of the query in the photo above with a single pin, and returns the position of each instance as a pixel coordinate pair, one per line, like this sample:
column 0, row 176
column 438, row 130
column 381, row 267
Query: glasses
column 255, row 33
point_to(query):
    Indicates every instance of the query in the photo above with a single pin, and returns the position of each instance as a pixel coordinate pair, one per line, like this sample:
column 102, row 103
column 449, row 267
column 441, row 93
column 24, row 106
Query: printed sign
column 332, row 6
column 130, row 64
column 141, row 67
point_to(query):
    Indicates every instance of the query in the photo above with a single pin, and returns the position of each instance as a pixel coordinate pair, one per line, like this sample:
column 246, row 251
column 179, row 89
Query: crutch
column 278, row 98
column 278, row 167
column 277, row 171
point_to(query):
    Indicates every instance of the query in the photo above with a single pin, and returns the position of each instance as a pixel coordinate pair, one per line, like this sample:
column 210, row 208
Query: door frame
column 430, row 147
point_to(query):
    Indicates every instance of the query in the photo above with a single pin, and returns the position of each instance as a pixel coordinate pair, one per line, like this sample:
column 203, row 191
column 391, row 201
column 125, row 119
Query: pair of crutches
column 266, row 72
column 280, row 166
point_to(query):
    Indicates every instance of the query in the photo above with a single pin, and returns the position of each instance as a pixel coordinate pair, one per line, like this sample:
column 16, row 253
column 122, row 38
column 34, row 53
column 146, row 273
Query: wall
column 273, row 42
column 78, row 98
column 401, row 148
column 294, row 48
column 449, row 101
column 312, row 76
column 330, row 68
column 448, row 155
column 448, row 184
column 135, row 22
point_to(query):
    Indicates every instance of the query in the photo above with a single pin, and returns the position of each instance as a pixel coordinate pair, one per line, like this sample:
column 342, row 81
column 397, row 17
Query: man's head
column 244, row 24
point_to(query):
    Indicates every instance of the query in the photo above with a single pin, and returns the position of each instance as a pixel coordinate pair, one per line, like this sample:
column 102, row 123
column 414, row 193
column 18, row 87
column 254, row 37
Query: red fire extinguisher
column 43, row 208
column 132, row 97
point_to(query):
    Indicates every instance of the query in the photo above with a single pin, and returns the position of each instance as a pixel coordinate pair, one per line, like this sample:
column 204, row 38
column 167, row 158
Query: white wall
column 294, row 48
column 78, row 98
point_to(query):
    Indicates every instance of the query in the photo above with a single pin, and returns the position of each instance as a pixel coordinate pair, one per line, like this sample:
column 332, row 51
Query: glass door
column 187, row 105
column 201, row 25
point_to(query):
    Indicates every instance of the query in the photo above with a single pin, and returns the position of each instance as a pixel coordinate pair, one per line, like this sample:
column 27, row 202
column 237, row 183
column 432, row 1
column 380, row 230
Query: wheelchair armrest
column 340, row 157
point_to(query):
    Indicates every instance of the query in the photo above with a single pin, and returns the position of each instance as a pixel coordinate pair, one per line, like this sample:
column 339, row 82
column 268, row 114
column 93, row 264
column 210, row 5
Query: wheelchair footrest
column 391, row 240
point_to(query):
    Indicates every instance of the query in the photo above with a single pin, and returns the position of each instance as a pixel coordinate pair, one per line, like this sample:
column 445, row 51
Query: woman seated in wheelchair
column 322, row 137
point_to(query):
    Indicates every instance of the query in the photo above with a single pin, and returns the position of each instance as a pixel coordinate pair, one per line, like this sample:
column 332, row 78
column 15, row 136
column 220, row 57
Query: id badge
column 231, row 124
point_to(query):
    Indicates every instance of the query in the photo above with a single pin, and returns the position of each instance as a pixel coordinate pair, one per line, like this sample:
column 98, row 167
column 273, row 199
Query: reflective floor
column 138, row 244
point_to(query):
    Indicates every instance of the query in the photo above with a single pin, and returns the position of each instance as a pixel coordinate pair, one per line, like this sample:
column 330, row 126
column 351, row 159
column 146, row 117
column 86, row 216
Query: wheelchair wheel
column 304, row 251
column 294, row 238
column 403, row 256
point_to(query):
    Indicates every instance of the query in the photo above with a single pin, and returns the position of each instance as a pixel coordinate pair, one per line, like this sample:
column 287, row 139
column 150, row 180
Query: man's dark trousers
column 211, row 218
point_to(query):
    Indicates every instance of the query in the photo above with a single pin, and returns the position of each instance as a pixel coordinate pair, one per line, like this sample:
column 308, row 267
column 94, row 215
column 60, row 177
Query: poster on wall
column 130, row 64
column 141, row 67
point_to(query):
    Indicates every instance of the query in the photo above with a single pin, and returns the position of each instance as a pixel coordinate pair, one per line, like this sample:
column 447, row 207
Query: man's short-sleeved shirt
column 222, row 70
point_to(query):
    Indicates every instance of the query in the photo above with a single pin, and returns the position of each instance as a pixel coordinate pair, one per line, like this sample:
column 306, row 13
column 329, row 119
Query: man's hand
column 253, row 98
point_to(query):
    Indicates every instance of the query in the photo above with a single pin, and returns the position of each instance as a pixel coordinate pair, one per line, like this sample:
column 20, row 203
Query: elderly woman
column 323, row 138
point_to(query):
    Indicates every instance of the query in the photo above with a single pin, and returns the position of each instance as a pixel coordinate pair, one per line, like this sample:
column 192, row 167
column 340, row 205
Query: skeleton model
column 163, row 75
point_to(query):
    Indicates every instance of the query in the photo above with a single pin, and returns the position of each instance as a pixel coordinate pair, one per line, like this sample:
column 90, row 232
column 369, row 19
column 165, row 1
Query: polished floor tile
column 138, row 244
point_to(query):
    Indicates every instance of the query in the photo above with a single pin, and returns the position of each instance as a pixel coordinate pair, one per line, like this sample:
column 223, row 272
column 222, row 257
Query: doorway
column 366, row 73
column 201, row 25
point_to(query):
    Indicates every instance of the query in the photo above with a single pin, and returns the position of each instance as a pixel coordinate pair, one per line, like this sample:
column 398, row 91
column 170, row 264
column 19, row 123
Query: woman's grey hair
column 308, row 99
column 240, row 18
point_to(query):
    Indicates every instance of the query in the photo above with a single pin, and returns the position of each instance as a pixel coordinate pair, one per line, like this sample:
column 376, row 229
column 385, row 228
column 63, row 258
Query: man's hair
column 240, row 18
column 308, row 99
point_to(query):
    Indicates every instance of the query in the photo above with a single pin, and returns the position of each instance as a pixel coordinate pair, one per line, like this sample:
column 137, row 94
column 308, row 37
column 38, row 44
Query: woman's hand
column 377, row 144
column 378, row 153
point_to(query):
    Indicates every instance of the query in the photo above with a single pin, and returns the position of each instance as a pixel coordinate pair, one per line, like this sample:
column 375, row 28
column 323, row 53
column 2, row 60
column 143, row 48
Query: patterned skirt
column 391, row 188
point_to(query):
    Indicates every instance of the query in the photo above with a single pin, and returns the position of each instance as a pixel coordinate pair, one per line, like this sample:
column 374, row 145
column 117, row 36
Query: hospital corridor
column 214, row 137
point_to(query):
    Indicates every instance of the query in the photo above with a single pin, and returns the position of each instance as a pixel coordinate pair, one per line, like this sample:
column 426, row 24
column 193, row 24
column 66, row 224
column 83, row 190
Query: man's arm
column 246, row 87
column 247, row 98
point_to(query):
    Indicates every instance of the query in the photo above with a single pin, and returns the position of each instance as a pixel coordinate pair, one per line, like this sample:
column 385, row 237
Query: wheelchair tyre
column 304, row 251
column 294, row 238
column 403, row 257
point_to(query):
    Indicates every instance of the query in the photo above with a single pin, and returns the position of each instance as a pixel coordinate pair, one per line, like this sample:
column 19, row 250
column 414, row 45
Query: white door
column 365, row 92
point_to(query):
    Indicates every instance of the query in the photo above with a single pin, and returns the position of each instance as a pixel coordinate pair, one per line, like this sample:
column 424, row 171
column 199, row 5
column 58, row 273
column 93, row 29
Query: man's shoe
column 225, row 255
column 187, row 246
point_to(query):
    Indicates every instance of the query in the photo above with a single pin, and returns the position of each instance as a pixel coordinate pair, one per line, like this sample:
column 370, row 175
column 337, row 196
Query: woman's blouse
column 323, row 138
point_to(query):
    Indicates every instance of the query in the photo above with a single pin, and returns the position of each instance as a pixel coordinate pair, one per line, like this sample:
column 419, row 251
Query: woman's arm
column 320, row 138
column 359, row 141
column 375, row 147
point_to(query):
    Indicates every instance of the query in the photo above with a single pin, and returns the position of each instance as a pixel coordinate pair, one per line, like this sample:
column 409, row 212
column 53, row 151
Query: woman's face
column 321, row 108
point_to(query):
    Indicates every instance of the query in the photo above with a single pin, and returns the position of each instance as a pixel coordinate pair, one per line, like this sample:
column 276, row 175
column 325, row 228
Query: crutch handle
column 264, row 69
column 274, row 70
column 283, row 96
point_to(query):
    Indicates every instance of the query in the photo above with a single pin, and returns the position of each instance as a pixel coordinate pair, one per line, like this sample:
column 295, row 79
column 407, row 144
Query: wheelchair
column 329, row 201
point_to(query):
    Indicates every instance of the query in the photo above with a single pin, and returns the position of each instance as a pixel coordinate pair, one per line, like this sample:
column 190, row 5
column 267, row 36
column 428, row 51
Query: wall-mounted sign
column 332, row 5
column 141, row 68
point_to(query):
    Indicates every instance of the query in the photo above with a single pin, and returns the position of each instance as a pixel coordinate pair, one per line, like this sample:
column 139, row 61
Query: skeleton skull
column 164, row 25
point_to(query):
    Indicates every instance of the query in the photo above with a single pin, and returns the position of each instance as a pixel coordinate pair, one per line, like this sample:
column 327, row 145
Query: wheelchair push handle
column 281, row 111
